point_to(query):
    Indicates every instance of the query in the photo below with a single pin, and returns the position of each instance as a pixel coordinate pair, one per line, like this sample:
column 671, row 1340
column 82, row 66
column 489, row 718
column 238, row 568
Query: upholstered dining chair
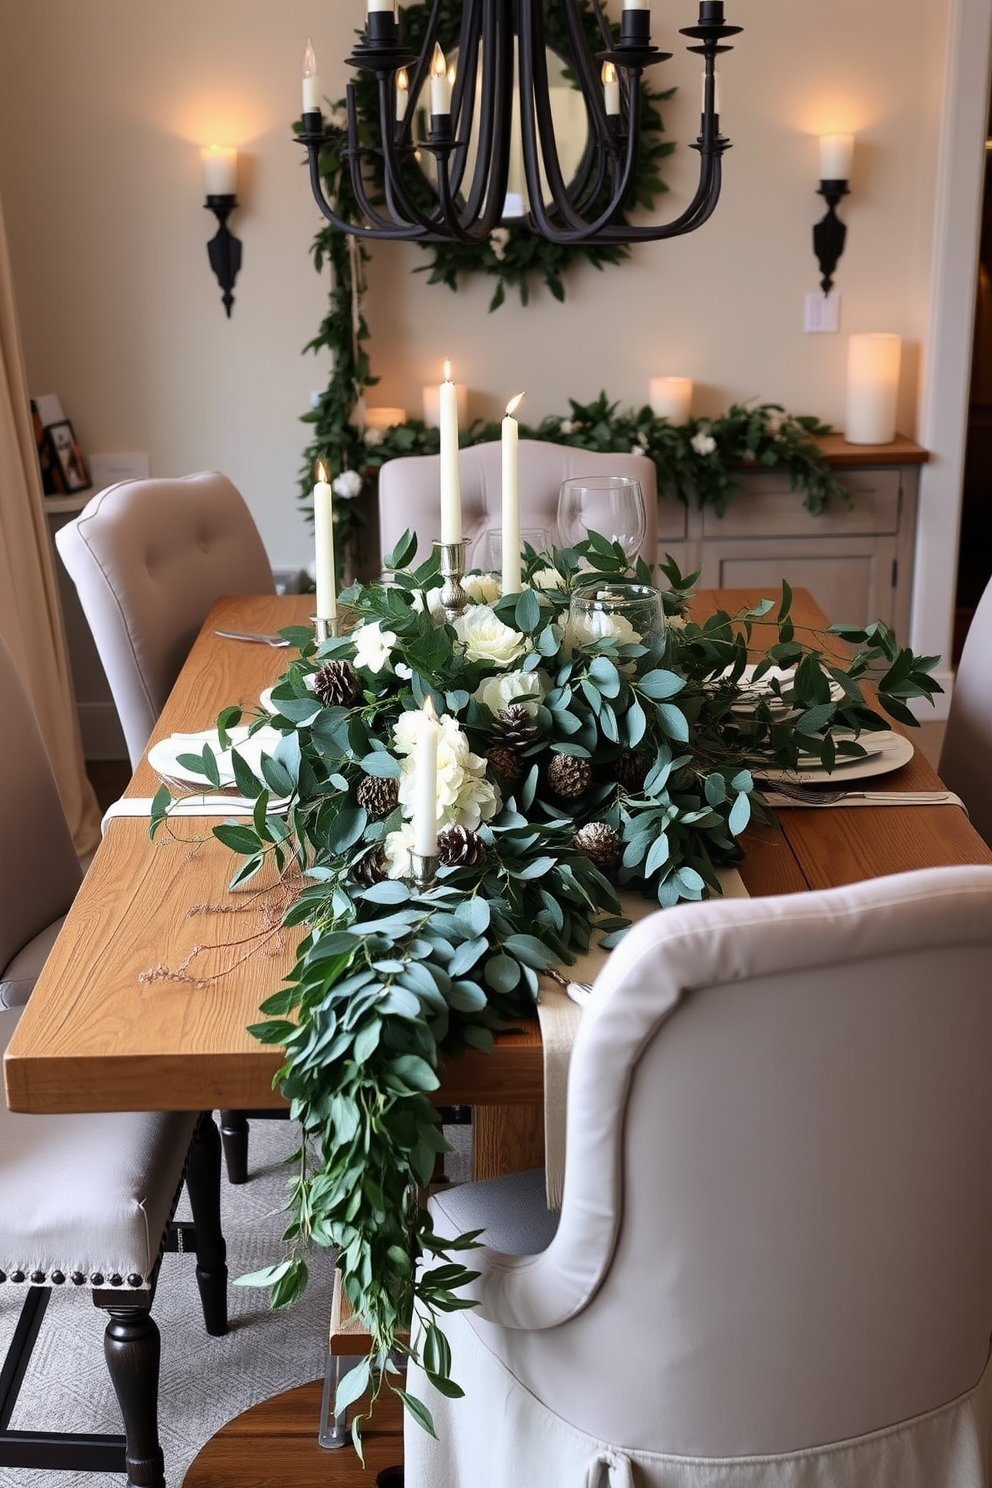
column 86, row 1201
column 772, row 1265
column 966, row 755
column 149, row 558
column 408, row 491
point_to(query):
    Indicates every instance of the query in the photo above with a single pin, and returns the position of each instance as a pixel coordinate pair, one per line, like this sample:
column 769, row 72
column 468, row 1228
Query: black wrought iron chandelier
column 471, row 122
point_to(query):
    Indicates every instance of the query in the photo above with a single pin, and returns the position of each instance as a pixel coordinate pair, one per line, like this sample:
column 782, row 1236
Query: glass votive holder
column 614, row 609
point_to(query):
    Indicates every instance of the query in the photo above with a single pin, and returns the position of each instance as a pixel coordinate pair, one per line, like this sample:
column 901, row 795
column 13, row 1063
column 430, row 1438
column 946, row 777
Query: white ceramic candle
column 836, row 154
column 671, row 398
column 425, row 784
column 511, row 499
column 220, row 170
column 440, row 84
column 451, row 495
column 311, row 82
column 323, row 534
column 611, row 89
column 872, row 388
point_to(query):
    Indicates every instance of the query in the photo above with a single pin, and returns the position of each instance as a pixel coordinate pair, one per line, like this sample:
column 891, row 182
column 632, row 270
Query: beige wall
column 104, row 102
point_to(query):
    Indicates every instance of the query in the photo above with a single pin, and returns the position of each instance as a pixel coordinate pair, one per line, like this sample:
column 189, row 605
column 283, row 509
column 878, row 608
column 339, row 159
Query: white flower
column 373, row 437
column 372, row 645
column 703, row 444
column 486, row 638
column 599, row 625
column 774, row 422
column 348, row 484
column 481, row 588
column 465, row 797
column 523, row 689
column 397, row 849
column 567, row 426
column 637, row 449
column 675, row 622
column 499, row 240
column 548, row 578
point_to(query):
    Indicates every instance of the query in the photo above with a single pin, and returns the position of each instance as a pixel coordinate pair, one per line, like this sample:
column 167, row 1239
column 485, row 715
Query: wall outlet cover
column 822, row 312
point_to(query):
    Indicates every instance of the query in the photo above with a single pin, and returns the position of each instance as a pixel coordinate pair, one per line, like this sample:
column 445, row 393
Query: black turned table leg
column 234, row 1130
column 203, row 1184
column 132, row 1347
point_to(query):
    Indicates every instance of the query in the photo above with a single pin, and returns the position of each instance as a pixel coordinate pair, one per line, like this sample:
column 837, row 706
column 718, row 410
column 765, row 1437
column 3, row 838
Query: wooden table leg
column 507, row 1139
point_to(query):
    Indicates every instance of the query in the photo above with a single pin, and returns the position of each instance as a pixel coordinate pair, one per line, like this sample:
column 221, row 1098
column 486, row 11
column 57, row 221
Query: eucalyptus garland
column 572, row 760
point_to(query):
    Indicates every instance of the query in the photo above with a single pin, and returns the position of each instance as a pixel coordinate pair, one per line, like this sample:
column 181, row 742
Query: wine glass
column 612, row 505
column 602, row 609
column 487, row 555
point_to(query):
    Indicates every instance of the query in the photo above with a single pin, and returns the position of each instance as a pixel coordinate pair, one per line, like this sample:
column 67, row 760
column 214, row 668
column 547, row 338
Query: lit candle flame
column 402, row 81
column 609, row 73
column 515, row 403
column 439, row 67
column 321, row 472
column 447, row 370
column 309, row 61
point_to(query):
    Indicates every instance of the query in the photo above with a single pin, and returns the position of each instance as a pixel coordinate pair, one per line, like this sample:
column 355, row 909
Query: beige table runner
column 559, row 1018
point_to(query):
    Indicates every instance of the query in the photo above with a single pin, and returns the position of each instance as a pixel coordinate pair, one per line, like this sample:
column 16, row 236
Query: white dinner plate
column 751, row 691
column 890, row 751
column 163, row 756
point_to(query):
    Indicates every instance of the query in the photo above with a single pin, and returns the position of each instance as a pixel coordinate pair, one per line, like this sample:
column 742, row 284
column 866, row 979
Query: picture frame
column 68, row 456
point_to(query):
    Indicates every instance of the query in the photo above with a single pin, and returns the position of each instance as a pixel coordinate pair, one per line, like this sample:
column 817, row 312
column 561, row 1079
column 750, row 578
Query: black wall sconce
column 836, row 152
column 220, row 179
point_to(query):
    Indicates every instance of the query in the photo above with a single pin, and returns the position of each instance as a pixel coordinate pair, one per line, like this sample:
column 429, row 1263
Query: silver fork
column 579, row 992
column 245, row 635
column 810, row 795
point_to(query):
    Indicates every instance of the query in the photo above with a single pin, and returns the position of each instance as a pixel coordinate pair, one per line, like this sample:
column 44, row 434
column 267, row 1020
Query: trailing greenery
column 572, row 760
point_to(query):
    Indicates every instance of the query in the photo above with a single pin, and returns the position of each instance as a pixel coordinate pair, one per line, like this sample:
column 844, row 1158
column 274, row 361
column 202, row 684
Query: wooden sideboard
column 857, row 562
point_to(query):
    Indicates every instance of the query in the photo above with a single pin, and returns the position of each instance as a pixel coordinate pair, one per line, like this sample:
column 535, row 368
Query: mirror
column 568, row 111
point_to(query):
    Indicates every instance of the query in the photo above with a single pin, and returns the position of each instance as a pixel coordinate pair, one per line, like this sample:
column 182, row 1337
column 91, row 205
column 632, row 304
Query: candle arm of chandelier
column 399, row 203
column 353, row 152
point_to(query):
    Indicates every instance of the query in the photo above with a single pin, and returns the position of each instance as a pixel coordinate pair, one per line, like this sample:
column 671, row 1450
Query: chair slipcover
column 39, row 870
column 409, row 491
column 966, row 755
column 148, row 559
column 774, row 1258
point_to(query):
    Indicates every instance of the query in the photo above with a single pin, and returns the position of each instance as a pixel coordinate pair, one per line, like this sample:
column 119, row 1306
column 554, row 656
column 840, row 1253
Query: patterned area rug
column 205, row 1381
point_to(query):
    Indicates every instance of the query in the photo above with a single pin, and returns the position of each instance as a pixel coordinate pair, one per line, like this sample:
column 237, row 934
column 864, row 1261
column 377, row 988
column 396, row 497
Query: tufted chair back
column 966, row 755
column 777, row 1215
column 148, row 559
column 409, row 491
column 39, row 870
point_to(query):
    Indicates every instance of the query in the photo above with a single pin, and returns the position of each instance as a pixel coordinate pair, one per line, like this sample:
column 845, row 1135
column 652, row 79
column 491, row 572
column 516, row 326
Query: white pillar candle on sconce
column 671, row 398
column 384, row 418
column 220, row 170
column 836, row 154
column 872, row 388
column 431, row 400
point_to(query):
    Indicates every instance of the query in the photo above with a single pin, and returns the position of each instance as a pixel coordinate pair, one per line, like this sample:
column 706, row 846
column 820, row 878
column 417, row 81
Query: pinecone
column 569, row 776
column 600, row 843
column 513, row 728
column 379, row 797
column 506, row 763
column 371, row 869
column 336, row 684
column 632, row 769
column 459, row 847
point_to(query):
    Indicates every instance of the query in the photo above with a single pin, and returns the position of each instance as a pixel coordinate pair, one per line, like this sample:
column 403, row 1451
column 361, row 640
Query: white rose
column 703, row 444
column 481, row 588
column 675, row 622
column 598, row 625
column 498, row 240
column 486, row 638
column 774, row 422
column 548, row 578
column 372, row 645
column 348, row 484
column 523, row 689
column 568, row 426
column 397, row 849
column 465, row 797
column 372, row 437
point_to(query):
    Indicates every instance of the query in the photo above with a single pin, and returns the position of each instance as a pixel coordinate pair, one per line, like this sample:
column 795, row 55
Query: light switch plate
column 107, row 470
column 822, row 312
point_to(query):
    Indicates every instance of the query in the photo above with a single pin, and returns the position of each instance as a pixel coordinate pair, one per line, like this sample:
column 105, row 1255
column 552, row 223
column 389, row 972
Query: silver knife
column 245, row 635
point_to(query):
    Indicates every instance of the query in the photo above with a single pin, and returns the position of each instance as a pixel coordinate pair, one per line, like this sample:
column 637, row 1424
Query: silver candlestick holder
column 452, row 564
column 324, row 629
column 422, row 869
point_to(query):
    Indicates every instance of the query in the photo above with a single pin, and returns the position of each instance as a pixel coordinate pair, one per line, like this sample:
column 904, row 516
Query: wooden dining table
column 145, row 1000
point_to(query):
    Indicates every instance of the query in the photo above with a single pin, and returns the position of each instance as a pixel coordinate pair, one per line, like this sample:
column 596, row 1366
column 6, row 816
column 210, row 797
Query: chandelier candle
column 511, row 499
column 323, row 531
column 451, row 496
column 311, row 81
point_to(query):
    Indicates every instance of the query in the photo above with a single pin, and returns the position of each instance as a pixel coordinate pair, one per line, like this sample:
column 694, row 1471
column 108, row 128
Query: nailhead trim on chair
column 17, row 1275
column 37, row 1277
column 96, row 1278
column 58, row 1277
column 78, row 1278
column 135, row 1279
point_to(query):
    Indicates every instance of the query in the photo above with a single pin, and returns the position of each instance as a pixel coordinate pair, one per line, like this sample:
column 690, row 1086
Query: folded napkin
column 195, row 805
column 560, row 1017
